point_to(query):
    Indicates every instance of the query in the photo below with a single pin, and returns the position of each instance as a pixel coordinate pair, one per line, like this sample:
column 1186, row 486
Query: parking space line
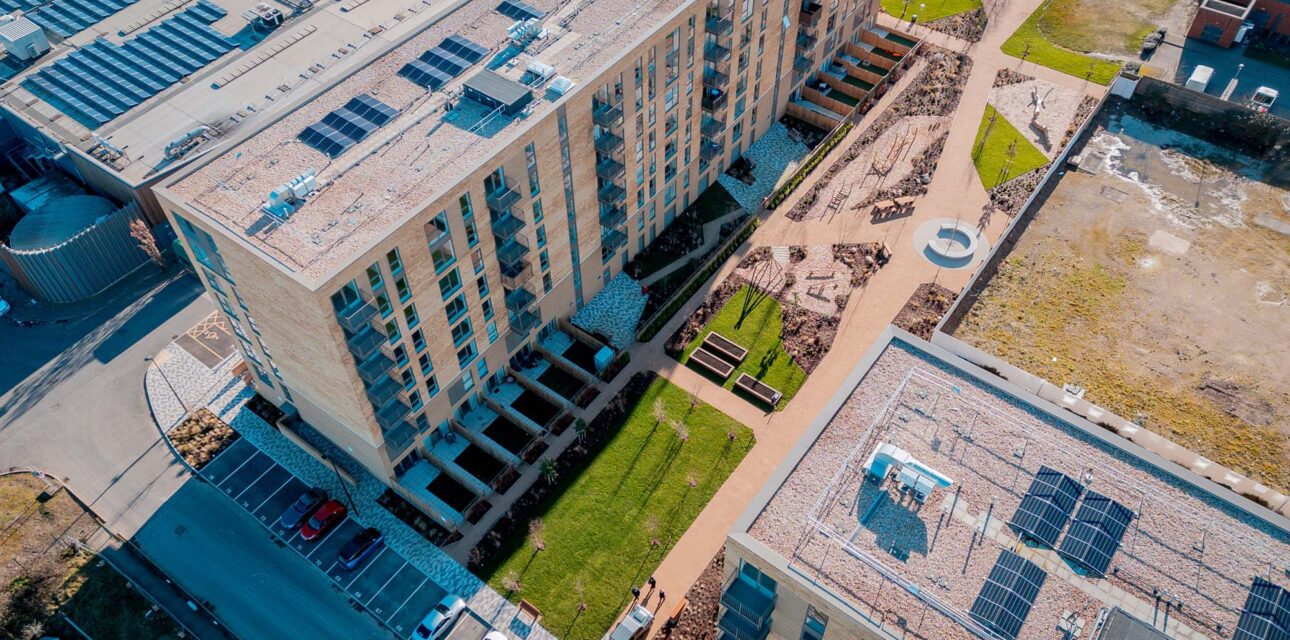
column 274, row 493
column 387, row 581
column 232, row 473
column 257, row 479
column 424, row 580
column 318, row 543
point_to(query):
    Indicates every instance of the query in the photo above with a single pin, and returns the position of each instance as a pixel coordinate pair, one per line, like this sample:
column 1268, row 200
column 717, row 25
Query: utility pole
column 344, row 486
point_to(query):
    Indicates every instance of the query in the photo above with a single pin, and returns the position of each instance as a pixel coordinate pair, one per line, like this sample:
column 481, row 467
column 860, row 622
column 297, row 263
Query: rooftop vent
column 289, row 196
column 561, row 85
column 22, row 38
column 496, row 92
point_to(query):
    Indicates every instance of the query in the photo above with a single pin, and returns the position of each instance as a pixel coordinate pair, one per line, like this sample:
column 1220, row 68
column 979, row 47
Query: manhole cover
column 180, row 530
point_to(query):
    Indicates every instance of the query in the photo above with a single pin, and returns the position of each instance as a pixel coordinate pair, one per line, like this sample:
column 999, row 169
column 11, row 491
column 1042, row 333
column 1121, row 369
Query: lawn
column 931, row 9
column 645, row 486
column 714, row 203
column 754, row 321
column 1045, row 53
column 991, row 154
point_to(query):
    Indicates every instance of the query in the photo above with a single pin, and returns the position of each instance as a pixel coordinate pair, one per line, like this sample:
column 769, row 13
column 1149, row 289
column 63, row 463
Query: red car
column 326, row 517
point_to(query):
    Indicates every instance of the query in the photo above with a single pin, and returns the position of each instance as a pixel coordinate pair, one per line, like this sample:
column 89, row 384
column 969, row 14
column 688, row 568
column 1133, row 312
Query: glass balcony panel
column 364, row 343
column 356, row 316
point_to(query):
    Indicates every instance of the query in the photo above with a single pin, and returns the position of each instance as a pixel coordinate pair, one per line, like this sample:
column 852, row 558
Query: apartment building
column 932, row 499
column 397, row 253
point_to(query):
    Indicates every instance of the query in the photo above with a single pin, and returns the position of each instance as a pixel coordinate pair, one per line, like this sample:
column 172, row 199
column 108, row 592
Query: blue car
column 360, row 548
column 307, row 503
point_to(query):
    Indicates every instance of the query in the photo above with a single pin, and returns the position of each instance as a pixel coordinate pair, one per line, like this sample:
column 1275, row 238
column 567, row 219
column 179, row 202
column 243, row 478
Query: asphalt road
column 72, row 405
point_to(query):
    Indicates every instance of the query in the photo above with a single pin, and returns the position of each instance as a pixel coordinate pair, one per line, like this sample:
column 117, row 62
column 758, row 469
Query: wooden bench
column 674, row 618
column 712, row 362
column 758, row 389
column 725, row 347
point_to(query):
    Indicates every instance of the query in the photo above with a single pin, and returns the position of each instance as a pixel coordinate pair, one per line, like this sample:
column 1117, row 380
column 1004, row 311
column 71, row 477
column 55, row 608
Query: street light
column 343, row 486
column 153, row 363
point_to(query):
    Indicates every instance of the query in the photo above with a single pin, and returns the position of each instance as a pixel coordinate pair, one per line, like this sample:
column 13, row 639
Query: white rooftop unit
column 561, row 85
column 22, row 38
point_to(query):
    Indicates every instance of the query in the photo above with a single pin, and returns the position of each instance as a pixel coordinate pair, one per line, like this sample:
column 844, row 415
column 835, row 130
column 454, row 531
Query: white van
column 1200, row 78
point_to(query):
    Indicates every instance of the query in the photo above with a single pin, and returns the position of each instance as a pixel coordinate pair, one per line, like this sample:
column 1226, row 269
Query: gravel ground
column 969, row 25
column 776, row 156
column 699, row 619
column 1202, row 551
column 614, row 311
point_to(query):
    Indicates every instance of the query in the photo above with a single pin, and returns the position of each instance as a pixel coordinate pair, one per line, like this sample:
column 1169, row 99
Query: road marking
column 367, row 566
column 317, row 544
column 387, row 582
column 424, row 580
column 275, row 493
column 257, row 479
column 227, row 451
column 234, row 472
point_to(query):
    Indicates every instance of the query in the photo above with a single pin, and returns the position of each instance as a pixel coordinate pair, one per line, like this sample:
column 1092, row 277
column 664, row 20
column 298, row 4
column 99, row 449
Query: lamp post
column 153, row 363
column 344, row 487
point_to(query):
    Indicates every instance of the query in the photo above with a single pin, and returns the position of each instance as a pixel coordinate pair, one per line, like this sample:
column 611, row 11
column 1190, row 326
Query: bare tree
column 692, row 478
column 660, row 411
column 682, row 431
column 535, row 535
column 511, row 581
column 581, row 590
column 147, row 242
column 651, row 529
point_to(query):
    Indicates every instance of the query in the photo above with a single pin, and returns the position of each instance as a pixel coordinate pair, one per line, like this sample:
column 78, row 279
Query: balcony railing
column 503, row 198
column 613, row 217
column 715, row 100
column 506, row 225
column 718, row 25
column 608, row 143
column 516, row 274
column 712, row 127
column 748, row 601
column 715, row 52
column 381, row 392
column 810, row 14
column 710, row 150
column 375, row 368
column 392, row 413
column 612, row 239
column 737, row 628
column 357, row 315
column 364, row 343
column 513, row 251
column 806, row 41
column 611, row 193
column 803, row 64
column 524, row 321
column 607, row 115
column 520, row 299
column 398, row 437
column 715, row 79
column 610, row 169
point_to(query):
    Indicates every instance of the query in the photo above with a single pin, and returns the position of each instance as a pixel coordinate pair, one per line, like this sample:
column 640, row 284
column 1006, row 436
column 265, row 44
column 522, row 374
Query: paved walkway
column 955, row 192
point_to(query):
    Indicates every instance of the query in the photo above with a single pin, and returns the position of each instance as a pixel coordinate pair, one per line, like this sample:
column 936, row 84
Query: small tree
column 694, row 399
column 692, row 478
column 660, row 411
column 147, row 242
column 682, row 431
column 732, row 433
column 651, row 529
column 580, row 427
column 511, row 581
column 581, row 590
column 535, row 535
column 549, row 471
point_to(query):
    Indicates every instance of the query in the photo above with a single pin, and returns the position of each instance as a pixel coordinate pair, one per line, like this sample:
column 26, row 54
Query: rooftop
column 142, row 94
column 426, row 149
column 1184, row 557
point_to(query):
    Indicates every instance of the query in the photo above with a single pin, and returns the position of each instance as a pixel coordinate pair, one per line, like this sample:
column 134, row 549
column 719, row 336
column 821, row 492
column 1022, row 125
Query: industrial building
column 933, row 499
column 399, row 254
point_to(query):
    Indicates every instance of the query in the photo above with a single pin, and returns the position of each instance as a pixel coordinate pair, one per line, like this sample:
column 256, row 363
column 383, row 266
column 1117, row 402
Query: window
column 443, row 256
column 544, row 259
column 530, row 156
column 482, row 285
column 546, row 282
column 449, row 284
column 374, row 276
column 492, row 332
column 816, row 621
column 537, row 211
column 467, row 381
column 415, row 398
column 481, row 368
column 468, row 215
column 461, row 332
column 392, row 331
column 541, row 235
column 383, row 305
column 432, row 387
column 477, row 260
column 410, row 315
column 345, row 297
column 418, row 340
column 401, row 287
column 466, row 354
column 455, row 308
column 488, row 309
column 396, row 263
column 409, row 380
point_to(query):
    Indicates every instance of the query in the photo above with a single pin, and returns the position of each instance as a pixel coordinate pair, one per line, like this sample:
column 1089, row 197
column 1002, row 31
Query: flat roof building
column 931, row 499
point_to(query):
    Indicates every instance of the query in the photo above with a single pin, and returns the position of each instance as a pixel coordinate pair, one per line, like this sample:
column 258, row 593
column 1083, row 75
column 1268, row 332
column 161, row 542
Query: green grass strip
column 930, row 10
column 1046, row 54
column 990, row 154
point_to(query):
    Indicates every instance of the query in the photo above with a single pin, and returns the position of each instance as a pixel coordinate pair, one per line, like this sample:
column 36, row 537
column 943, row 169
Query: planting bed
column 535, row 407
column 506, row 433
column 201, row 437
column 559, row 381
column 453, row 493
column 479, row 463
column 924, row 309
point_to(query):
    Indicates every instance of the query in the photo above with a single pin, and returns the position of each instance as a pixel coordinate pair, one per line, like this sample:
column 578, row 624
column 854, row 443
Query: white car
column 495, row 635
column 440, row 619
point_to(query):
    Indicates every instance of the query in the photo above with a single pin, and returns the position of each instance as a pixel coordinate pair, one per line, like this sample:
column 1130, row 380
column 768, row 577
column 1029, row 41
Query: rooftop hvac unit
column 284, row 200
column 561, row 85
column 524, row 31
column 22, row 38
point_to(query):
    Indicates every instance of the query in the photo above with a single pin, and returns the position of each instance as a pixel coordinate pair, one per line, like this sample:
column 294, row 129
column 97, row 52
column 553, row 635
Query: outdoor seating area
column 758, row 389
column 719, row 355
column 725, row 347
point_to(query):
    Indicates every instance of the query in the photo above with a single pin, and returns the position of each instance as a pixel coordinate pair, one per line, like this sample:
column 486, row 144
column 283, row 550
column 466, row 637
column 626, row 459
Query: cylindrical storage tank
column 72, row 248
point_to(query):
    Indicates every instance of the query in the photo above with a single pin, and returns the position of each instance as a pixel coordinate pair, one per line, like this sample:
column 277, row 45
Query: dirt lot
column 1171, row 311
column 1112, row 27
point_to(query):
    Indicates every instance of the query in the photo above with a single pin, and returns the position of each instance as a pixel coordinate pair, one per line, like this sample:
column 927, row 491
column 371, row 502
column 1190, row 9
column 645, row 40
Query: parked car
column 4, row 307
column 495, row 635
column 360, row 548
column 326, row 517
column 307, row 503
column 440, row 619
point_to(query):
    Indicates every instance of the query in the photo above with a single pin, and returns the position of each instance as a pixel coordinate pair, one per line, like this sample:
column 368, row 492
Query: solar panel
column 1008, row 593
column 1095, row 533
column 1046, row 507
column 348, row 125
column 425, row 75
column 371, row 109
column 519, row 10
column 445, row 61
column 326, row 139
column 463, row 48
column 1266, row 615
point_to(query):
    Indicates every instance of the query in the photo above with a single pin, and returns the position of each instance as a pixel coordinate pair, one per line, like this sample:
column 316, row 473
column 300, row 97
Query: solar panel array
column 1266, row 615
column 348, row 125
column 70, row 17
column 1095, row 533
column 10, row 6
column 1008, row 593
column 439, row 65
column 102, row 80
column 519, row 10
column 1047, row 506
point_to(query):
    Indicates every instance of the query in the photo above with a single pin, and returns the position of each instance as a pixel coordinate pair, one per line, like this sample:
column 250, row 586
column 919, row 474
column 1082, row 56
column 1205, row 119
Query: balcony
column 524, row 321
column 392, row 413
column 356, row 316
column 714, row 79
column 511, row 253
column 612, row 194
column 715, row 100
column 516, row 275
column 610, row 169
column 364, row 343
column 520, row 299
column 398, row 437
column 737, row 628
column 718, row 26
column 608, row 143
column 803, row 64
column 376, row 367
column 715, row 52
column 748, row 601
column 712, row 127
column 381, row 392
column 503, row 198
column 505, row 226
column 710, row 150
column 806, row 41
column 606, row 115
column 810, row 15
column 613, row 217
column 611, row 239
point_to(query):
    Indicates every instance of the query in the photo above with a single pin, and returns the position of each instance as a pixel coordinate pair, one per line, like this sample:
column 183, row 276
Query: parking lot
column 387, row 586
